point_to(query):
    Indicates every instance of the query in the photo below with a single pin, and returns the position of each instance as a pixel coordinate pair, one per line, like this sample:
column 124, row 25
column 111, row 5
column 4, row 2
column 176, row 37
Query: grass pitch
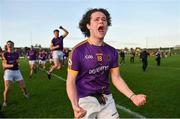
column 49, row 98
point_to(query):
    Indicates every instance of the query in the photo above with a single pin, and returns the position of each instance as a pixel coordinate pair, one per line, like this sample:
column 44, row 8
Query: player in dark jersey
column 10, row 62
column 32, row 57
column 90, row 64
column 43, row 56
column 144, row 57
column 158, row 58
column 50, row 58
column 57, row 50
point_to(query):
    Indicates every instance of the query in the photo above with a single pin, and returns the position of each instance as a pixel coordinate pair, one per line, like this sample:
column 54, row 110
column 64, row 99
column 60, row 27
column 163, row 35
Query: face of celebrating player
column 98, row 25
column 56, row 34
column 10, row 46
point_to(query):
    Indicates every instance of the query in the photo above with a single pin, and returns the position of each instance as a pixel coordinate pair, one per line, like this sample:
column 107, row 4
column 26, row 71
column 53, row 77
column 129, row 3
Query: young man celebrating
column 90, row 64
column 32, row 57
column 10, row 62
column 57, row 48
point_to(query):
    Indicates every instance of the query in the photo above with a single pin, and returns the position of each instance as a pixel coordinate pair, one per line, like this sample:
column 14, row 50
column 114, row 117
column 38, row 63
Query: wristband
column 131, row 96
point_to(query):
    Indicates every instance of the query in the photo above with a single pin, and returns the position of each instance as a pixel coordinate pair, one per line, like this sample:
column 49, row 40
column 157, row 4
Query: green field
column 49, row 98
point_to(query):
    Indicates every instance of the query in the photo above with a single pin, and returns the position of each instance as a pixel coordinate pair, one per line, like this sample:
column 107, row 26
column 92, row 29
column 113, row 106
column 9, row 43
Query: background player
column 57, row 48
column 10, row 62
column 32, row 57
column 43, row 57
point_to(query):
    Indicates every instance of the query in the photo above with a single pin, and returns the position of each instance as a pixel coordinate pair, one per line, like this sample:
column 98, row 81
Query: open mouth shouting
column 102, row 30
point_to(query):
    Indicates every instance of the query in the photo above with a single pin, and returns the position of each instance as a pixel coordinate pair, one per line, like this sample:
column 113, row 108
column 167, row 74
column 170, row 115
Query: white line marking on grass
column 135, row 114
column 129, row 111
column 58, row 77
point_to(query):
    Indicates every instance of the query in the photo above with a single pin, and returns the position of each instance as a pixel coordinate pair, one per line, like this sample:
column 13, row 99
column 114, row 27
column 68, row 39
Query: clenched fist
column 139, row 99
column 79, row 112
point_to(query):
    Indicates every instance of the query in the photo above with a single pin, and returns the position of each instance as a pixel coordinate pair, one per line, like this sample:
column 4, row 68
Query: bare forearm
column 72, row 92
column 7, row 66
column 54, row 47
column 120, row 84
column 66, row 32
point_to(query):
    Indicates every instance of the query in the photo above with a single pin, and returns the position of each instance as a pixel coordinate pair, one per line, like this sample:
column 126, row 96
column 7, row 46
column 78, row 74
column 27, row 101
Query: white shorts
column 42, row 62
column 12, row 75
column 95, row 110
column 32, row 62
column 50, row 60
column 39, row 61
column 57, row 54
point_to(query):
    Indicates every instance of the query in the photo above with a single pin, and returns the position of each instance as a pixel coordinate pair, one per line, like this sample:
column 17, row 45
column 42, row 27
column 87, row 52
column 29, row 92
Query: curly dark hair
column 87, row 17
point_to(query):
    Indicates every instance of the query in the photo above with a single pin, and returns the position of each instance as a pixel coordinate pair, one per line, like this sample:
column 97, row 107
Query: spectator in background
column 132, row 56
column 163, row 54
column 144, row 58
column 166, row 54
column 122, row 57
column 158, row 58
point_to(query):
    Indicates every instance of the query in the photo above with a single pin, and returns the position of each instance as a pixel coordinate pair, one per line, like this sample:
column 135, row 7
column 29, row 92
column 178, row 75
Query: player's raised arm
column 120, row 84
column 65, row 31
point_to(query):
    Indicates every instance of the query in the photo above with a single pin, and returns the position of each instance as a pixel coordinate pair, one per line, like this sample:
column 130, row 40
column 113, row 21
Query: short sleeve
column 115, row 59
column 61, row 37
column 52, row 41
column 74, row 60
